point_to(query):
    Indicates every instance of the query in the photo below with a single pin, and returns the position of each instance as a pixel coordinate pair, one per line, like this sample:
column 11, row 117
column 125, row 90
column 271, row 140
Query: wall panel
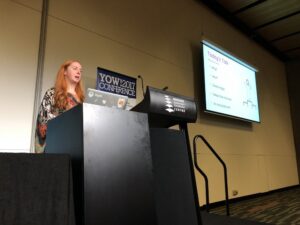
column 19, row 40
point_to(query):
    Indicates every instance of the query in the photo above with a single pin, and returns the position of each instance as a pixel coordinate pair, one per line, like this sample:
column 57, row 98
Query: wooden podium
column 126, row 173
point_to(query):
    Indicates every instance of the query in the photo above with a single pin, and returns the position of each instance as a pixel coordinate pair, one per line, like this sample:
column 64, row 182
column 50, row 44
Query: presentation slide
column 230, row 86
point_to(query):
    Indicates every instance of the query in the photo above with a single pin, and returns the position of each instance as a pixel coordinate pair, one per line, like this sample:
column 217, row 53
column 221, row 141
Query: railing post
column 202, row 173
column 221, row 161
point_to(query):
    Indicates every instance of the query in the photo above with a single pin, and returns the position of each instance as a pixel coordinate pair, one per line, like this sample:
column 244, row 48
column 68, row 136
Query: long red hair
column 60, row 95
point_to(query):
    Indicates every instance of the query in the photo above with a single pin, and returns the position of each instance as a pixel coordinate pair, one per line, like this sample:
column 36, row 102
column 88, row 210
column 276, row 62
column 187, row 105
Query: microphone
column 142, row 81
column 165, row 88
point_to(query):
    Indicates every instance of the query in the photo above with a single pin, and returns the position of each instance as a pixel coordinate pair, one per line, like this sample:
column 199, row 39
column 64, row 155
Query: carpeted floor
column 282, row 207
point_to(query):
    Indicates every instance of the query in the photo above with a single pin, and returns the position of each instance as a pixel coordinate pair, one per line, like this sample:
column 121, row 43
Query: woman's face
column 73, row 72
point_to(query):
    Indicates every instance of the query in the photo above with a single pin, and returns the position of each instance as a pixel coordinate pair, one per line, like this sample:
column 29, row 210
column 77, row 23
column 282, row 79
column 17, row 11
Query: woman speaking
column 67, row 93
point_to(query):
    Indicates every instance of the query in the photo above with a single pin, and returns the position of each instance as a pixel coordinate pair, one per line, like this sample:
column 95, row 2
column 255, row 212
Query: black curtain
column 36, row 189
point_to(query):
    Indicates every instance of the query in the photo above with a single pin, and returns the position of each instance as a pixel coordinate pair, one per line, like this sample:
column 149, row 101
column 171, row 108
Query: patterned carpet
column 282, row 208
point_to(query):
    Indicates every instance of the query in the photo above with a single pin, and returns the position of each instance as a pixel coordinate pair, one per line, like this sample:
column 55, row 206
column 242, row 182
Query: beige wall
column 19, row 36
column 160, row 40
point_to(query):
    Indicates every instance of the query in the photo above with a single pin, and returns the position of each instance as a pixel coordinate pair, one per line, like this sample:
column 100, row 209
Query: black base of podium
column 174, row 194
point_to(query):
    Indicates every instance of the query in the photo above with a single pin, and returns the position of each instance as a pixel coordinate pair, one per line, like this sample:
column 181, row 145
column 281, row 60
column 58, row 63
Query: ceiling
column 275, row 24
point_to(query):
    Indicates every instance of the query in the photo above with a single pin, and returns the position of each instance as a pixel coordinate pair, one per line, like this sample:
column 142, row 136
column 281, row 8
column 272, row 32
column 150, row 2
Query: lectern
column 174, row 181
column 112, row 166
column 129, row 168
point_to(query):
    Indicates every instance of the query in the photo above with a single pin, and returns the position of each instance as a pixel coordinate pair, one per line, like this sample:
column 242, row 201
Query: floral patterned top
column 47, row 112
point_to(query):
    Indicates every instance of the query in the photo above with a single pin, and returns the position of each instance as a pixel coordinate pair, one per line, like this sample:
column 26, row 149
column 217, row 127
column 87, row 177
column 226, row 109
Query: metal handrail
column 205, row 176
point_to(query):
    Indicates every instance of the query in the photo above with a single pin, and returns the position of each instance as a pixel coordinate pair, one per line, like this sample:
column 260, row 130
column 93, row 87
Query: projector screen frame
column 233, row 57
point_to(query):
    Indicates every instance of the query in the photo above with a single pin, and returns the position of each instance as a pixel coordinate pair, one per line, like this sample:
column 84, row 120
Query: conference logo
column 173, row 104
column 168, row 103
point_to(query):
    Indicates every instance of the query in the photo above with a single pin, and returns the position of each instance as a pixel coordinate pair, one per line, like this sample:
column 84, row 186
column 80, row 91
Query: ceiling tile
column 294, row 54
column 288, row 43
column 268, row 11
column 234, row 5
column 265, row 21
column 281, row 28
